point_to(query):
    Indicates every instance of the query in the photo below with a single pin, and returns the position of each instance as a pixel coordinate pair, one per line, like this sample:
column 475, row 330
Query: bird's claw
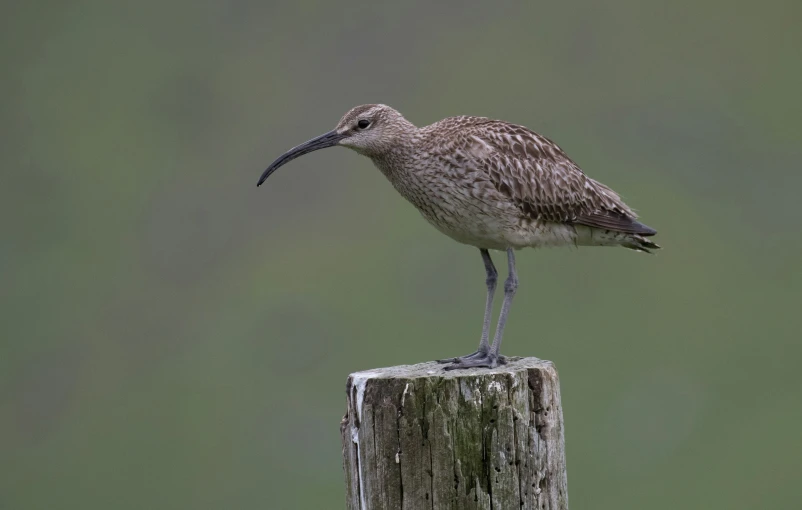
column 477, row 354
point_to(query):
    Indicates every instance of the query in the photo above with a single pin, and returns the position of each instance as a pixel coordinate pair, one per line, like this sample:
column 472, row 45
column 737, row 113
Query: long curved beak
column 329, row 139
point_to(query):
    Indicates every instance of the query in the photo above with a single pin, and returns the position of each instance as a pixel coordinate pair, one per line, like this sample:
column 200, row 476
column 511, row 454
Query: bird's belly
column 481, row 235
column 503, row 235
column 496, row 226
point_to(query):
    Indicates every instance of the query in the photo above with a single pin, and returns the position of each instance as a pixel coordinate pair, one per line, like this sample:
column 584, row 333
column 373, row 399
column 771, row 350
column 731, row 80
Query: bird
column 489, row 184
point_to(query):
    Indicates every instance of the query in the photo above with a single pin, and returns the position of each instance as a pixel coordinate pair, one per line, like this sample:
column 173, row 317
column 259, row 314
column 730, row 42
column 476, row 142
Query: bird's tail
column 588, row 236
column 639, row 243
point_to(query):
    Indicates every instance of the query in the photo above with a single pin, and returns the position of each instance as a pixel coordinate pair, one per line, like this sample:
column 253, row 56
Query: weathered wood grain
column 418, row 437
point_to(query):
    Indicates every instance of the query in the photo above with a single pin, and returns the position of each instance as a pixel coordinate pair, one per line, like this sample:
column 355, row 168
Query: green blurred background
column 174, row 338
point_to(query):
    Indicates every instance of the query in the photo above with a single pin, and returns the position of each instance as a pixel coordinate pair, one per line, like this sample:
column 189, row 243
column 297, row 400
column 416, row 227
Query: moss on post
column 419, row 437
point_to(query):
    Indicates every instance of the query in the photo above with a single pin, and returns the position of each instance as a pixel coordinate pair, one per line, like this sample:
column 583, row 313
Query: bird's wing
column 542, row 180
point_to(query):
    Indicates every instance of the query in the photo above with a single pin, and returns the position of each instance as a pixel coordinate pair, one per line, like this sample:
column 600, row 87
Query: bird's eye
column 362, row 124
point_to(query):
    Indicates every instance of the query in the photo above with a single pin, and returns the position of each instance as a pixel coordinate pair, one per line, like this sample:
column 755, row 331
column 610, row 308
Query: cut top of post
column 434, row 369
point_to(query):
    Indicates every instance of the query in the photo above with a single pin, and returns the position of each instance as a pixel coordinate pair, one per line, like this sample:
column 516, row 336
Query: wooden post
column 417, row 436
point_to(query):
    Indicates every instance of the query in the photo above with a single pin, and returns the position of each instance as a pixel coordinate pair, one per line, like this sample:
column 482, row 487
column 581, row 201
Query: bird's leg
column 490, row 281
column 492, row 358
column 510, row 287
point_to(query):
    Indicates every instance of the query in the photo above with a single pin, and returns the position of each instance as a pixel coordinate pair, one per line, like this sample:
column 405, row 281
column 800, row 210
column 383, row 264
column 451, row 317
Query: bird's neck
column 396, row 161
column 394, row 158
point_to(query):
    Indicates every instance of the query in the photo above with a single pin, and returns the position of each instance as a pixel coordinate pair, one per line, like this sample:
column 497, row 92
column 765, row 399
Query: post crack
column 398, row 459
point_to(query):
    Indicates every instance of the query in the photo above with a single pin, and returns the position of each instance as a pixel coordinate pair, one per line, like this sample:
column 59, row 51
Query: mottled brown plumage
column 531, row 172
column 489, row 184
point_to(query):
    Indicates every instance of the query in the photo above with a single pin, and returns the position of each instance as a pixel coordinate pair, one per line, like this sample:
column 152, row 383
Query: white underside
column 535, row 235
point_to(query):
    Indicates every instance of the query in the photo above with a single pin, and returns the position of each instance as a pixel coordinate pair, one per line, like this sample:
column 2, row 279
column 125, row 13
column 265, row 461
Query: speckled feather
column 534, row 173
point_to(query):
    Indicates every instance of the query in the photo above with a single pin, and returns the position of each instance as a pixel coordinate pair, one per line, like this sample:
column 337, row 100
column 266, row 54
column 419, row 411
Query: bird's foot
column 487, row 360
column 477, row 354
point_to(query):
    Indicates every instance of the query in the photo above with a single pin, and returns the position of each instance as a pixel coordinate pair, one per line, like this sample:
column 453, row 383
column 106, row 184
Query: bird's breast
column 458, row 202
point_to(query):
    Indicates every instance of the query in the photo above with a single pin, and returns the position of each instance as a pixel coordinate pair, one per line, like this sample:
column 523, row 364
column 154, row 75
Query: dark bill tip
column 329, row 139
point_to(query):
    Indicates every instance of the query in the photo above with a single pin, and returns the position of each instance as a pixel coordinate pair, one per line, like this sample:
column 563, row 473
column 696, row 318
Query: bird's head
column 370, row 129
